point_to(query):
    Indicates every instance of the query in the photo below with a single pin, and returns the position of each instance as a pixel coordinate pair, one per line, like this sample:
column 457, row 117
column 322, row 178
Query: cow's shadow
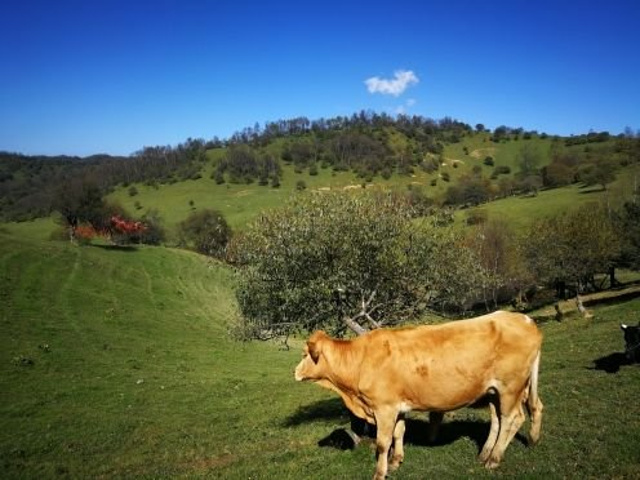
column 610, row 363
column 323, row 410
column 417, row 432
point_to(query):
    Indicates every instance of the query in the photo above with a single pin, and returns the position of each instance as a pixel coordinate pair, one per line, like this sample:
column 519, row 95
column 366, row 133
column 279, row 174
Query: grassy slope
column 520, row 210
column 141, row 380
column 241, row 203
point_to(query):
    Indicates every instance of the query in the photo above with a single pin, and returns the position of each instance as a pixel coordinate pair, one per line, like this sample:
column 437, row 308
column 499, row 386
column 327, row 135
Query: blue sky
column 109, row 76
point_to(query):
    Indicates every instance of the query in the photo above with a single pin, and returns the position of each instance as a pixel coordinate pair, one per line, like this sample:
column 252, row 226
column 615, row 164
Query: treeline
column 28, row 183
column 367, row 143
column 414, row 126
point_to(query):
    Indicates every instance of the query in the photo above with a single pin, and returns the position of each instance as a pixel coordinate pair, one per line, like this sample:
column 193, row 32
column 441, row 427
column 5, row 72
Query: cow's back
column 444, row 367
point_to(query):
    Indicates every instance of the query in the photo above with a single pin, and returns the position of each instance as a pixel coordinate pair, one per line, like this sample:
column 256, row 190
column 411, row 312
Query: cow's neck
column 343, row 362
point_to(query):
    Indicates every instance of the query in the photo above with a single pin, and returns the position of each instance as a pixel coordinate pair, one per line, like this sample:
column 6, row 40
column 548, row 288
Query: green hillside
column 115, row 362
column 240, row 202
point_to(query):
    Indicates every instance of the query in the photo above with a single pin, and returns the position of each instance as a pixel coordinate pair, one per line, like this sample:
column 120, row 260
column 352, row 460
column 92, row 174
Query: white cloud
column 401, row 81
column 404, row 109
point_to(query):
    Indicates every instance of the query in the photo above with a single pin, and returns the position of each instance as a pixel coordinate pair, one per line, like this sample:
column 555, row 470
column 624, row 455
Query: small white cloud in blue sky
column 396, row 86
column 404, row 109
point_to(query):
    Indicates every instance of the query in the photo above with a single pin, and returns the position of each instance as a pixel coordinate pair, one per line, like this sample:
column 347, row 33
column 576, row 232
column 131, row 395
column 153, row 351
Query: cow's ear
column 314, row 351
column 314, row 345
column 623, row 327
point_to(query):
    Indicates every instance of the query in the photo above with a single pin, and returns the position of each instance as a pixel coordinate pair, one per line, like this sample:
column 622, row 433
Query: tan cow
column 384, row 374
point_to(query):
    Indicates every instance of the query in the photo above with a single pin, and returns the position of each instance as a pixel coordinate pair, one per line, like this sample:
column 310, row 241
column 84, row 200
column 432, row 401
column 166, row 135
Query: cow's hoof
column 491, row 464
column 395, row 463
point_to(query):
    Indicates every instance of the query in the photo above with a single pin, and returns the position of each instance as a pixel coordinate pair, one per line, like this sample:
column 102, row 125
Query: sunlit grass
column 116, row 363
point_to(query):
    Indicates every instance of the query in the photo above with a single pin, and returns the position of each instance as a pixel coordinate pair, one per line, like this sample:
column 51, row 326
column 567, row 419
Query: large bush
column 206, row 231
column 348, row 261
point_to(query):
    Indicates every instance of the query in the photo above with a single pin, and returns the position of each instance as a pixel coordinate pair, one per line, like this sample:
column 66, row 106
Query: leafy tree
column 207, row 232
column 530, row 184
column 500, row 133
column 499, row 252
column 79, row 200
column 629, row 232
column 470, row 190
column 561, row 171
column 569, row 249
column 348, row 260
column 601, row 173
column 529, row 159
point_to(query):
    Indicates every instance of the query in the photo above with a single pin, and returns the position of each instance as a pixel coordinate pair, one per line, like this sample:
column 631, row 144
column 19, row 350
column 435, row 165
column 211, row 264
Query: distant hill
column 447, row 162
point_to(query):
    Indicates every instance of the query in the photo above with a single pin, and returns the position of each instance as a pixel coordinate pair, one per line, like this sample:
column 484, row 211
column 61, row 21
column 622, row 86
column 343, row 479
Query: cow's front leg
column 398, row 443
column 386, row 422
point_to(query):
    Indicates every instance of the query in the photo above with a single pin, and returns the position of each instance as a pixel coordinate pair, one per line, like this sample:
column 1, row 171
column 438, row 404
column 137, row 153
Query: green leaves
column 329, row 257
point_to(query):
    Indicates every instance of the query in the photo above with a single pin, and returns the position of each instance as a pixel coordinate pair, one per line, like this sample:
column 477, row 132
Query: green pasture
column 519, row 211
column 116, row 363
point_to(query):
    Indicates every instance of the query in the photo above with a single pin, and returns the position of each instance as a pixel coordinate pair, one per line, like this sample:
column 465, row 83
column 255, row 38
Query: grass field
column 116, row 363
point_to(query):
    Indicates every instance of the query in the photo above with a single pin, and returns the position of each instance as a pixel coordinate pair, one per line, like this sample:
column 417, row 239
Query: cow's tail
column 534, row 404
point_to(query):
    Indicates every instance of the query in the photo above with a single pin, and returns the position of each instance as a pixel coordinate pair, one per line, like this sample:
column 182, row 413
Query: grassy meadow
column 116, row 363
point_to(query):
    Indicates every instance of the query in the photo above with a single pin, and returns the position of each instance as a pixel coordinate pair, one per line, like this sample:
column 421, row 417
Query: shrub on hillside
column 205, row 231
column 500, row 170
column 154, row 233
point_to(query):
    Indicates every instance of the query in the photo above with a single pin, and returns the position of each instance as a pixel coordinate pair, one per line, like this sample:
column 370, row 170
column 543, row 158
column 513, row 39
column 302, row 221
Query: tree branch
column 354, row 326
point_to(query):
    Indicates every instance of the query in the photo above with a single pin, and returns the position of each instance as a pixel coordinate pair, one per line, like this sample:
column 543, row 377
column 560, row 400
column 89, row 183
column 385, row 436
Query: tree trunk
column 72, row 233
column 612, row 277
column 558, row 312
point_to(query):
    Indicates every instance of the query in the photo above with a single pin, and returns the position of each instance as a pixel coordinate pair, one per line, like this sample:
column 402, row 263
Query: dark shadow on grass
column 323, row 410
column 123, row 248
column 611, row 363
column 417, row 432
column 339, row 439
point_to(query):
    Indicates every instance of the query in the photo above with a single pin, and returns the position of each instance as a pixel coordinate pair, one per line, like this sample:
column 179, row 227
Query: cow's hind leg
column 535, row 413
column 493, row 431
column 511, row 419
column 398, row 443
column 386, row 423
column 534, row 405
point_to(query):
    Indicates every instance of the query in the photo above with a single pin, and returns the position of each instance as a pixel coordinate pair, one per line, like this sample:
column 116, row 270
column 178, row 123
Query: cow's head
column 632, row 342
column 309, row 367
